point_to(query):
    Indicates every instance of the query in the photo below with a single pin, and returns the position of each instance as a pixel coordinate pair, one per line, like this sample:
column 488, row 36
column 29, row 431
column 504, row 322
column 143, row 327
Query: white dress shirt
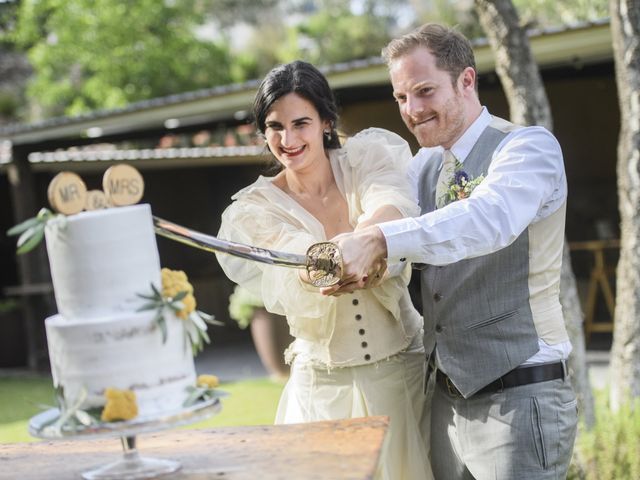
column 525, row 183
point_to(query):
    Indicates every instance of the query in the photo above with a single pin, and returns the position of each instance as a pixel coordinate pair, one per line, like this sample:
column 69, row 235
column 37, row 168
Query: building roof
column 579, row 44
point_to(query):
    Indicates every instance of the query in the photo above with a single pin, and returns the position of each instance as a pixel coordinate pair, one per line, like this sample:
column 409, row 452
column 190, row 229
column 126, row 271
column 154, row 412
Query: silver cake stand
column 132, row 466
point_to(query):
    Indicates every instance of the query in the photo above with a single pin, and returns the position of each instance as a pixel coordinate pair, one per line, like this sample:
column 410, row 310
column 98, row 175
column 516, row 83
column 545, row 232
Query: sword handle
column 324, row 264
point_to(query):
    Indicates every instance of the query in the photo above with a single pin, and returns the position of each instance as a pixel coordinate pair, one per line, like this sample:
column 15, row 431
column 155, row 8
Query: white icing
column 100, row 260
column 124, row 352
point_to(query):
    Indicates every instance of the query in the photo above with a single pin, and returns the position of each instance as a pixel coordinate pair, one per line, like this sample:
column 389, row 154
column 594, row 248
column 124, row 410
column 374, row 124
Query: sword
column 323, row 261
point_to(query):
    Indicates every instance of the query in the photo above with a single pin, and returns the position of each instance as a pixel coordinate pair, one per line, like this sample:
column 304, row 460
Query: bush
column 242, row 303
column 611, row 450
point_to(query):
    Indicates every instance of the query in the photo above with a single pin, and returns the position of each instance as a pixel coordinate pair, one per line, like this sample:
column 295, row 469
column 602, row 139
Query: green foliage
column 95, row 54
column 610, row 449
column 31, row 231
column 543, row 13
column 242, row 304
column 9, row 104
column 337, row 35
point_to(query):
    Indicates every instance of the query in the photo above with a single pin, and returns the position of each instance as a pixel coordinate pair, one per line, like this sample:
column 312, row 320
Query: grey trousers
column 524, row 432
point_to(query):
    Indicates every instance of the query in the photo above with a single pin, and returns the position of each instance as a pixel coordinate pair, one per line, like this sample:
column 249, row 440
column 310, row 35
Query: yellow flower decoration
column 209, row 381
column 175, row 282
column 176, row 298
column 121, row 405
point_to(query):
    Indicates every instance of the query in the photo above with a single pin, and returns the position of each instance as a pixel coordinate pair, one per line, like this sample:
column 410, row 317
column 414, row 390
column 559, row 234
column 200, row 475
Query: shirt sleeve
column 525, row 183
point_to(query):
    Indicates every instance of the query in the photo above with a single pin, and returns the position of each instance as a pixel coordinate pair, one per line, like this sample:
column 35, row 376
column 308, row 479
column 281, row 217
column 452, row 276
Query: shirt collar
column 465, row 143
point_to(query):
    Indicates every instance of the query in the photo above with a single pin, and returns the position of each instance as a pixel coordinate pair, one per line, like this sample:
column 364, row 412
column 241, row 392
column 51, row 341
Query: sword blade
column 210, row 243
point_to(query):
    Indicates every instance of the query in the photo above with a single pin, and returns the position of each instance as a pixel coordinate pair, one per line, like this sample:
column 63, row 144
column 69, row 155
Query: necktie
column 447, row 173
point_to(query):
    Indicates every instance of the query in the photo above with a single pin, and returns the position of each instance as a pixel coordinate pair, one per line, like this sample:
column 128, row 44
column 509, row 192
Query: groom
column 490, row 238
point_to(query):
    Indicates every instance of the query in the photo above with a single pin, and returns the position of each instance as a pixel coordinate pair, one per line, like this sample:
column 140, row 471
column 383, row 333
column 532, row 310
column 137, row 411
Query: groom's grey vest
column 477, row 311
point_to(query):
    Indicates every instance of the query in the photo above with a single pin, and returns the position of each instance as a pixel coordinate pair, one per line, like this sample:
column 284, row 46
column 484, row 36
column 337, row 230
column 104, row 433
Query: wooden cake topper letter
column 67, row 193
column 123, row 185
column 96, row 200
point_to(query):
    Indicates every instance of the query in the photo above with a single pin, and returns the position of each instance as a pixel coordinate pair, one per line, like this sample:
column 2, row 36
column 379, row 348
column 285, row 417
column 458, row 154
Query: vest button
column 439, row 328
column 437, row 296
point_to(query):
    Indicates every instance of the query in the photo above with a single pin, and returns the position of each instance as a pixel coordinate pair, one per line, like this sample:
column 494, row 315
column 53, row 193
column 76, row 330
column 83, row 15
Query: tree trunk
column 529, row 105
column 518, row 71
column 625, row 353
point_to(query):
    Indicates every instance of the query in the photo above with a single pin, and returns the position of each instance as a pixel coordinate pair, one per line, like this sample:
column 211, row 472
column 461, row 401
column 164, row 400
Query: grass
column 251, row 402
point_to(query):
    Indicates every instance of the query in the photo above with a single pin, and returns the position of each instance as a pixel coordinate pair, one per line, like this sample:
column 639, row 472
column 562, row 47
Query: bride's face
column 294, row 132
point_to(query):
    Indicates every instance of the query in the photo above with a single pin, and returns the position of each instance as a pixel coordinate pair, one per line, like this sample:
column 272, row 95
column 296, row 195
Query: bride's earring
column 327, row 134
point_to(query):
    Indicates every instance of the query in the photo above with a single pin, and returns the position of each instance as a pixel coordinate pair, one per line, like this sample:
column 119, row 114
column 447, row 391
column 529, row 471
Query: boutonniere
column 461, row 185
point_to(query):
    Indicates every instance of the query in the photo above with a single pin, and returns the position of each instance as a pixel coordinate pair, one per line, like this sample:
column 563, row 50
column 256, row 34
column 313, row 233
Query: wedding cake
column 100, row 262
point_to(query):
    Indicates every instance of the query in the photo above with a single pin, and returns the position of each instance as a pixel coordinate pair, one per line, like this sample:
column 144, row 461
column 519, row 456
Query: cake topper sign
column 67, row 193
column 123, row 185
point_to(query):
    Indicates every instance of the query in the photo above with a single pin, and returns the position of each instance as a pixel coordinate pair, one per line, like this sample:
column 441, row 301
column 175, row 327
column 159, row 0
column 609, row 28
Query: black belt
column 515, row 378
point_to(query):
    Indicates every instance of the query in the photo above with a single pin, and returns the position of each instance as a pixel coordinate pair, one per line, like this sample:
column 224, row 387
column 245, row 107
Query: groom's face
column 430, row 104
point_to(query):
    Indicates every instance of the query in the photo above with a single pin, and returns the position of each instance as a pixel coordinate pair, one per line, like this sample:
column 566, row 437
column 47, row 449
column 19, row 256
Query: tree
column 529, row 105
column 625, row 353
column 567, row 12
column 337, row 35
column 14, row 67
column 95, row 54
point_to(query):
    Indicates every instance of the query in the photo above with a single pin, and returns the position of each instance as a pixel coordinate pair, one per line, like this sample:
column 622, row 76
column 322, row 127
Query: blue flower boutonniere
column 461, row 185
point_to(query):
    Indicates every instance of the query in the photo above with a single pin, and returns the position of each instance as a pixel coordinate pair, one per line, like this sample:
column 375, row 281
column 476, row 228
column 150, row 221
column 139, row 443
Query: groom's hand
column 363, row 254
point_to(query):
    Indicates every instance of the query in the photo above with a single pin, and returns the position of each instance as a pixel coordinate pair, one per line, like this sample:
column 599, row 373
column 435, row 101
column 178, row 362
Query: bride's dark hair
column 308, row 82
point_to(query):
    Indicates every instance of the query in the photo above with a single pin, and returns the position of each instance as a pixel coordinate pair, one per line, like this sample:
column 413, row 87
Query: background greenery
column 251, row 402
column 96, row 54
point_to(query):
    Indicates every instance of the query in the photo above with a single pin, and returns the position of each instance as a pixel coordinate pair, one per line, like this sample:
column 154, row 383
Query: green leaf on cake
column 31, row 231
column 196, row 394
column 147, row 297
column 162, row 323
column 23, row 227
column 30, row 239
column 148, row 306
column 156, row 292
column 194, row 325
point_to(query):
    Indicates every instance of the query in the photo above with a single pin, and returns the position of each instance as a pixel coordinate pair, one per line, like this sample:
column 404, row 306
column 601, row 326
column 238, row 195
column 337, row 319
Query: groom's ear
column 467, row 80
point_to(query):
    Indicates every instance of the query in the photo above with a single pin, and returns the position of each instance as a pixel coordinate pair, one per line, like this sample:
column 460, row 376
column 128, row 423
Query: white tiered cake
column 100, row 261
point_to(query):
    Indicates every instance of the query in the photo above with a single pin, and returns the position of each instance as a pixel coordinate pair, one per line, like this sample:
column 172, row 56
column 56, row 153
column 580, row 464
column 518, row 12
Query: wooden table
column 331, row 450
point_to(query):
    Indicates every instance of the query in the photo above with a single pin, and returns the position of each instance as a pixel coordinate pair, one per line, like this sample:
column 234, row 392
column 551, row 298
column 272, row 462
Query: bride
column 353, row 355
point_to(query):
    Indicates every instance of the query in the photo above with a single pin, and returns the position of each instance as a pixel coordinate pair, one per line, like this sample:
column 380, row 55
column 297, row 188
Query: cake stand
column 132, row 466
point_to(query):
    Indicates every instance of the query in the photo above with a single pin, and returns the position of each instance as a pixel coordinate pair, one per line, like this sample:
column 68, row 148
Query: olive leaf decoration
column 70, row 416
column 160, row 304
column 31, row 231
column 202, row 393
column 195, row 325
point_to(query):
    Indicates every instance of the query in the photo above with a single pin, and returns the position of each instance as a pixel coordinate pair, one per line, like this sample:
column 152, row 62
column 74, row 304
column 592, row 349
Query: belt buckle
column 451, row 388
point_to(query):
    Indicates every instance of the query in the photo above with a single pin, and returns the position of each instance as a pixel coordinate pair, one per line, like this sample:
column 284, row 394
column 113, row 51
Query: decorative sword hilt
column 324, row 264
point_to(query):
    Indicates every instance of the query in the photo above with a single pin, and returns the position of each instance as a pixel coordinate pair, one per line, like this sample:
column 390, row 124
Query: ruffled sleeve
column 264, row 218
column 373, row 165
column 372, row 169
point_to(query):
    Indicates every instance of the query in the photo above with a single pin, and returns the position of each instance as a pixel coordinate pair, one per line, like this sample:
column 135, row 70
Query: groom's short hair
column 452, row 50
